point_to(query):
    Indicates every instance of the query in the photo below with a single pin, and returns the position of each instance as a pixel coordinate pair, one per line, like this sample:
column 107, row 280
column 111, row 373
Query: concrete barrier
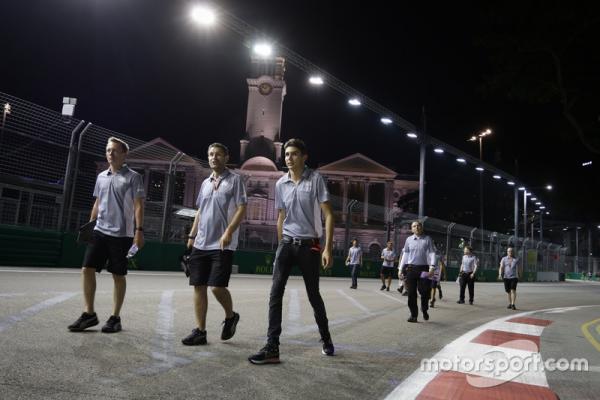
column 547, row 277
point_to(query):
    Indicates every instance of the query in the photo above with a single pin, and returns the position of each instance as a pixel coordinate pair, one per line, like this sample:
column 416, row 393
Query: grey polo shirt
column 418, row 250
column 354, row 254
column 469, row 263
column 302, row 204
column 510, row 267
column 116, row 194
column 388, row 257
column 217, row 208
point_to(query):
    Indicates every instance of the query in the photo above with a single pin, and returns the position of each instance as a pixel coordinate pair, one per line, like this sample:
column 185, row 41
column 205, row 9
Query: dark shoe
column 267, row 355
column 388, row 289
column 471, row 302
column 440, row 294
column 405, row 294
column 400, row 289
column 196, row 338
column 514, row 307
column 432, row 304
column 509, row 306
column 425, row 316
column 412, row 319
column 229, row 326
column 328, row 348
column 352, row 287
column 382, row 287
column 461, row 302
column 112, row 325
column 85, row 321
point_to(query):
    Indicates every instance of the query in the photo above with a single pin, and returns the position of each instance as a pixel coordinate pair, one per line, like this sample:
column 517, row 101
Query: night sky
column 142, row 68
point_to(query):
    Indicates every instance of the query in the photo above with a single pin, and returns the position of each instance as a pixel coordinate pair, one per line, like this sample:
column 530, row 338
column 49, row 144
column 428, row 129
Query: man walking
column 417, row 266
column 119, row 214
column 388, row 255
column 214, row 237
column 467, row 274
column 354, row 261
column 510, row 270
column 300, row 196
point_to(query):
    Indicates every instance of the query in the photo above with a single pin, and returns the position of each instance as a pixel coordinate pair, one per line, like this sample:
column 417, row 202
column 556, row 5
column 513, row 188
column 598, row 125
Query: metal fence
column 49, row 164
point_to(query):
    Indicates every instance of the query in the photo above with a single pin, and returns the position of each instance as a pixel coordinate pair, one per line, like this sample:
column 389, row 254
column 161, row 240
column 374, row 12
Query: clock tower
column 266, row 91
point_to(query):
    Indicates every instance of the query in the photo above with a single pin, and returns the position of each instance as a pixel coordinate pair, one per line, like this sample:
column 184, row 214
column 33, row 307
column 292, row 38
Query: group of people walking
column 302, row 202
column 301, row 199
column 421, row 269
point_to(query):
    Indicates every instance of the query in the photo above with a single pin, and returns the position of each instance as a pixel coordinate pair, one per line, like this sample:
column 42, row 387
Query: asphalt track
column 378, row 354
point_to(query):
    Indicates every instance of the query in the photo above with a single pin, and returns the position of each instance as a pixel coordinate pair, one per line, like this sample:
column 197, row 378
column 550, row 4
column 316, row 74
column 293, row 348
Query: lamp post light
column 5, row 111
column 480, row 137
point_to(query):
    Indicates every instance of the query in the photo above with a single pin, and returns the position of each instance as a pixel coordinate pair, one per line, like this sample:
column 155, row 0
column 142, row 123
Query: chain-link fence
column 49, row 164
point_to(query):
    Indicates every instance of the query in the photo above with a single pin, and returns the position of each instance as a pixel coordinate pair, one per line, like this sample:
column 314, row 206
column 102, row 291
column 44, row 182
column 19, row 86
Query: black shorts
column 434, row 284
column 109, row 251
column 387, row 272
column 510, row 284
column 210, row 267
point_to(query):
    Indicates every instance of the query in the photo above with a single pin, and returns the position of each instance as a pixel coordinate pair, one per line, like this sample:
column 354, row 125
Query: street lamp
column 5, row 111
column 480, row 137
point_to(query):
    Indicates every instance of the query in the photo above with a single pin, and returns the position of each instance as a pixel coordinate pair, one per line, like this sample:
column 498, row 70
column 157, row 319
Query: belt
column 299, row 241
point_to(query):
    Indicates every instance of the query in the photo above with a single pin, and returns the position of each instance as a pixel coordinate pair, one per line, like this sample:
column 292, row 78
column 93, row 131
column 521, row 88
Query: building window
column 156, row 186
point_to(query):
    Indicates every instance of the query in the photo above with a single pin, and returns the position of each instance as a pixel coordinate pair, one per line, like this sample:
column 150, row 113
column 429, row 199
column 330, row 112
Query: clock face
column 265, row 89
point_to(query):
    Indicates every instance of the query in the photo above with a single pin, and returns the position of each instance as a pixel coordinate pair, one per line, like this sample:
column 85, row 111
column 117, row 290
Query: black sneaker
column 412, row 319
column 425, row 316
column 471, row 302
column 400, row 289
column 441, row 294
column 328, row 348
column 112, row 325
column 85, row 321
column 405, row 294
column 267, row 355
column 229, row 326
column 509, row 306
column 196, row 338
column 383, row 287
column 388, row 289
column 460, row 302
column 514, row 307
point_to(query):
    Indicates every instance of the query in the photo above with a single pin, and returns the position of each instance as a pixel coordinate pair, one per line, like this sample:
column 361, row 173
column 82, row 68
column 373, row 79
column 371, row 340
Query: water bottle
column 132, row 251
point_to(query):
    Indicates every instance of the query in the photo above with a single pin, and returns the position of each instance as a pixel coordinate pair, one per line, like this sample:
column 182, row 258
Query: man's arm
column 327, row 257
column 94, row 214
column 240, row 212
column 500, row 270
column 193, row 231
column 280, row 218
column 138, row 207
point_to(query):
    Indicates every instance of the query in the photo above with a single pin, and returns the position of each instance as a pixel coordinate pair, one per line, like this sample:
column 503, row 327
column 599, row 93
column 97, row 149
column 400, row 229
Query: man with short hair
column 119, row 214
column 213, row 239
column 388, row 255
column 510, row 271
column 300, row 196
column 417, row 266
column 354, row 261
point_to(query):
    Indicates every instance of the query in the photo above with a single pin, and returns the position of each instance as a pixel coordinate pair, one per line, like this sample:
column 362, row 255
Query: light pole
column 480, row 137
column 5, row 111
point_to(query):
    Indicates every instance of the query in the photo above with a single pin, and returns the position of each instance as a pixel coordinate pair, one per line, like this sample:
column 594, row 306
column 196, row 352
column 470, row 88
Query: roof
column 259, row 164
column 160, row 151
column 358, row 164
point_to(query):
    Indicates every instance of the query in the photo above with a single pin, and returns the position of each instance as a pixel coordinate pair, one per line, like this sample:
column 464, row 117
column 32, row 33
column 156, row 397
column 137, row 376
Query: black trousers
column 415, row 283
column 466, row 280
column 355, row 272
column 308, row 260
